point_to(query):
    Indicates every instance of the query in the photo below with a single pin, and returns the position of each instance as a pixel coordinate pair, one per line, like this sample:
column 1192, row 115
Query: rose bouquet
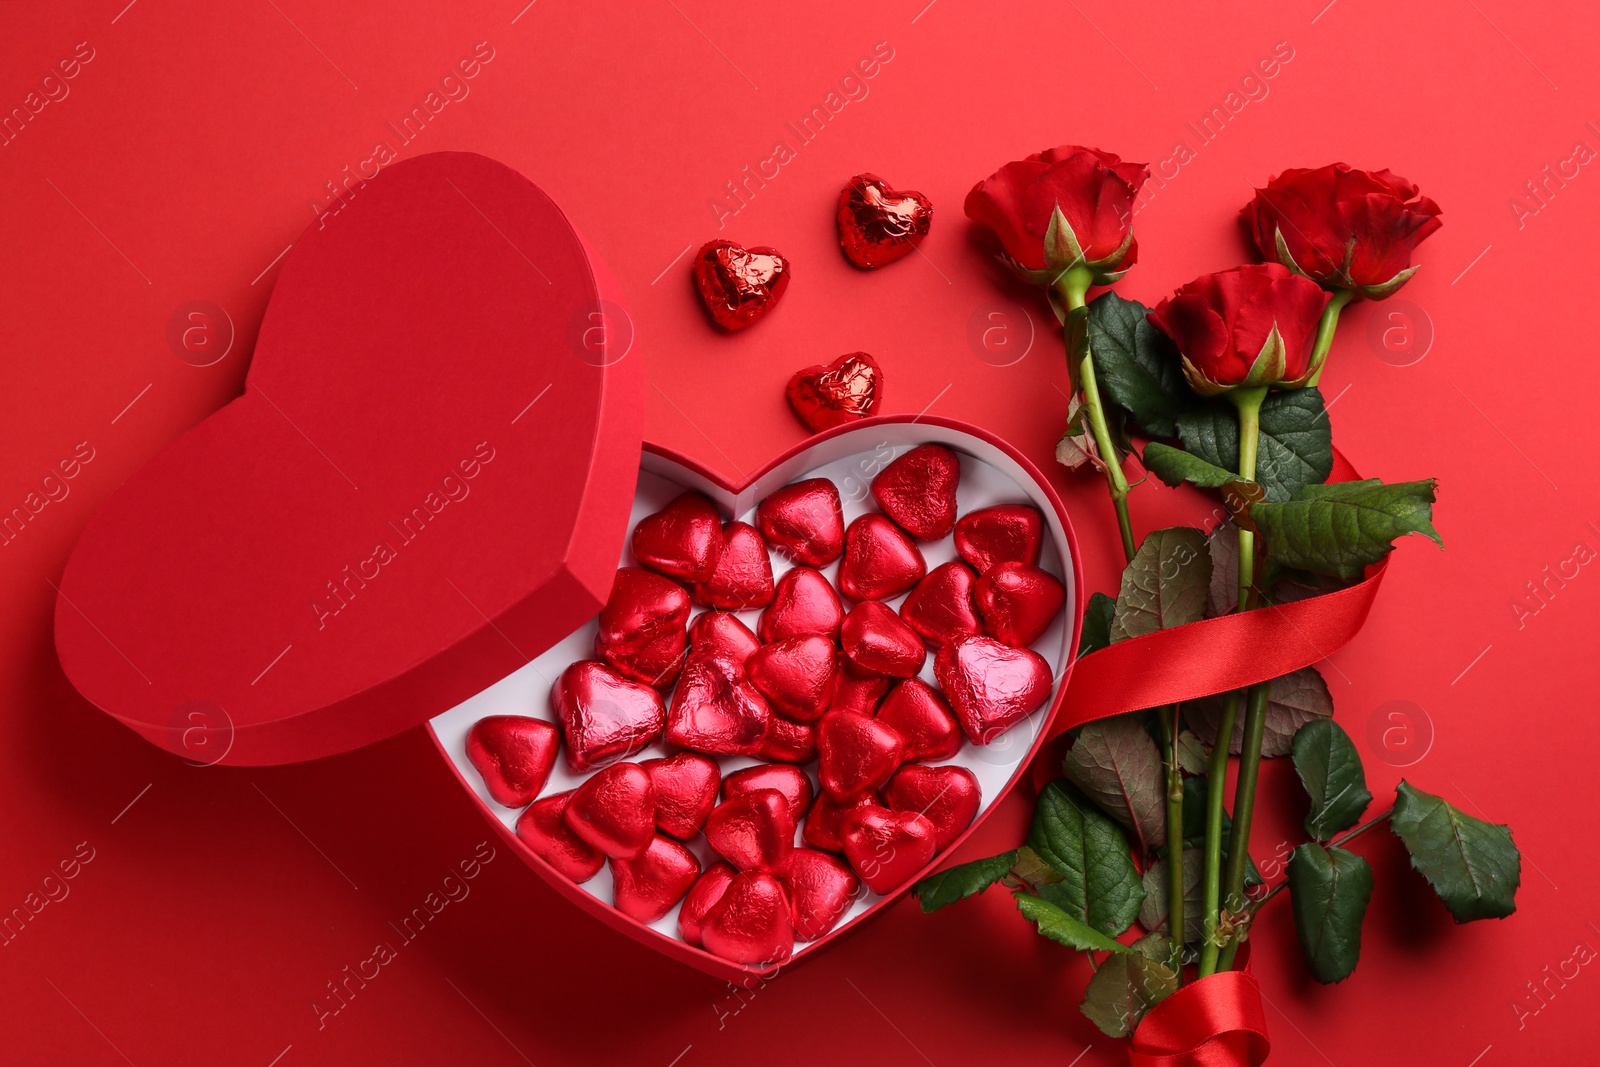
column 1133, row 856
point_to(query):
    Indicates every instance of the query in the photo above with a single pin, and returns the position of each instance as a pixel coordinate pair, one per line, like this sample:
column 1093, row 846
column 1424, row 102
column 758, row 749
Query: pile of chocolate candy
column 815, row 683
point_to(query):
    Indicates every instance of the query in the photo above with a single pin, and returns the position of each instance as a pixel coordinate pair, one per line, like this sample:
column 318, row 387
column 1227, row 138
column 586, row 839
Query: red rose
column 1344, row 228
column 1061, row 207
column 1246, row 326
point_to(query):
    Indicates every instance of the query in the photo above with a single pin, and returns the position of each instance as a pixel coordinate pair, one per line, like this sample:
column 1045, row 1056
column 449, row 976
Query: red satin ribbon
column 1215, row 1022
column 1214, row 655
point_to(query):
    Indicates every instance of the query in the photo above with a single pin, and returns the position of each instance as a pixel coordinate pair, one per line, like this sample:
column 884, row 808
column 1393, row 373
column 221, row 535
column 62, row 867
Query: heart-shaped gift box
column 417, row 507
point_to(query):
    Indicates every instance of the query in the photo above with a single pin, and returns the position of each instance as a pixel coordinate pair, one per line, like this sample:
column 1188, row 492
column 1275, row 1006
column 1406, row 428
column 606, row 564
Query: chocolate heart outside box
column 992, row 472
column 197, row 573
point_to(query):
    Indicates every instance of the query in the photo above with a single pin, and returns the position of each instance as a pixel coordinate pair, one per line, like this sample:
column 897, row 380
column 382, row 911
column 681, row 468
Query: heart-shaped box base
column 992, row 473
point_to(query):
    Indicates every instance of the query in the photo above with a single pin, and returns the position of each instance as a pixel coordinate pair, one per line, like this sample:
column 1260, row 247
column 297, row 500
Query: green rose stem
column 1325, row 327
column 1247, row 399
column 1170, row 728
column 1072, row 286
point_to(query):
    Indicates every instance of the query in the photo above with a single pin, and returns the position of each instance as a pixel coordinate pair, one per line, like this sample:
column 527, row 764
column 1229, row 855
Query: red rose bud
column 1343, row 228
column 1060, row 208
column 1249, row 326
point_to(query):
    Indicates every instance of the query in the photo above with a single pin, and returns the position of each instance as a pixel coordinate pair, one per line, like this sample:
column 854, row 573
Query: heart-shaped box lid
column 425, row 483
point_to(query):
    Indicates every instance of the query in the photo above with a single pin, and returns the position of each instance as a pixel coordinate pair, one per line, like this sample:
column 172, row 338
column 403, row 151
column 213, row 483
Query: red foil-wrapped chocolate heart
column 750, row 923
column 788, row 741
column 991, row 686
column 825, row 820
column 720, row 634
column 918, row 491
column 804, row 522
column 754, row 831
column 743, row 578
column 948, row 797
column 514, row 754
column 877, row 224
column 683, row 540
column 790, row 781
column 739, row 285
column 880, row 561
column 543, row 828
column 646, row 888
column 919, row 714
column 615, row 811
column 842, row 391
column 686, row 791
column 715, row 709
column 643, row 627
column 857, row 692
column 940, row 607
column 802, row 603
column 820, row 890
column 885, row 847
column 1003, row 533
column 1018, row 602
column 878, row 641
column 795, row 675
column 701, row 898
column 855, row 753
column 604, row 716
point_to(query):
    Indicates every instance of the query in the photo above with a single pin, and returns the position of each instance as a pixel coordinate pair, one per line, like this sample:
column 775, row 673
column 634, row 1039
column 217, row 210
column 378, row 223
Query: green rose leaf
column 1129, row 984
column 1330, row 768
column 1330, row 889
column 962, row 881
column 1193, row 756
column 1153, row 914
column 1099, row 886
column 1223, row 544
column 1473, row 865
column 1293, row 700
column 1295, row 448
column 1136, row 365
column 1339, row 529
column 1062, row 928
column 1165, row 585
column 1096, row 624
column 1174, row 466
column 1117, row 764
column 1031, row 871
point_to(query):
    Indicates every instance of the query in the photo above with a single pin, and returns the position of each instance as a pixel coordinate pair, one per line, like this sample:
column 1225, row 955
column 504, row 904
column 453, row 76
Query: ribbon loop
column 1215, row 1022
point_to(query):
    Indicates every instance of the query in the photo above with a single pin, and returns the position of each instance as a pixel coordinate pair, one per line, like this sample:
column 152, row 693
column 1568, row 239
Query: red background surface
column 193, row 148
